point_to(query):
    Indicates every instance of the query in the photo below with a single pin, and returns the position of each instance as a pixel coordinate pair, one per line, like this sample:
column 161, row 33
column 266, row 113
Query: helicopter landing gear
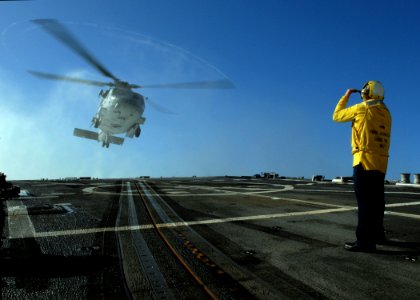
column 104, row 138
column 134, row 131
column 95, row 122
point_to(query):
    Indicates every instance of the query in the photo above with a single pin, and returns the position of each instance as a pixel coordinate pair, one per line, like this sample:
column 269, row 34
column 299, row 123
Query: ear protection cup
column 365, row 89
column 373, row 89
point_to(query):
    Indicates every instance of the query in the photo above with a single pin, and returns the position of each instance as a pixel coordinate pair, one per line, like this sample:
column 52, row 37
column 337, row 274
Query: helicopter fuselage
column 120, row 111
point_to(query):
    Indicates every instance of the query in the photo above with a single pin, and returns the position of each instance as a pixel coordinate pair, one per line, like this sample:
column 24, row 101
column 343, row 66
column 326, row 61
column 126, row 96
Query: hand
column 351, row 91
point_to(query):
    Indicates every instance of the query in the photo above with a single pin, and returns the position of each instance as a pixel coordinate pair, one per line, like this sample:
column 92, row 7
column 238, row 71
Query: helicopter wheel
column 95, row 122
column 137, row 132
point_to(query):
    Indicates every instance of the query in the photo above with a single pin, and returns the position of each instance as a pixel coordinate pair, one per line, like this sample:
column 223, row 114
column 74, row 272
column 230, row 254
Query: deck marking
column 303, row 201
column 223, row 220
column 18, row 220
column 394, row 213
column 402, row 204
column 20, row 225
column 184, row 190
column 352, row 191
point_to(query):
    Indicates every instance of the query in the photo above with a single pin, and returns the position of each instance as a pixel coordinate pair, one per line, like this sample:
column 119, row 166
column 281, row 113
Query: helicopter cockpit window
column 104, row 93
column 118, row 93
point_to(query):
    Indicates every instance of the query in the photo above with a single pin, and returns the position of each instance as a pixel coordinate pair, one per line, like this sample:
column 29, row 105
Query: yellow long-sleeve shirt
column 371, row 132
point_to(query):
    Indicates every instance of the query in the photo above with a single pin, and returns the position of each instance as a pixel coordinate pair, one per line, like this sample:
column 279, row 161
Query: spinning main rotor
column 61, row 33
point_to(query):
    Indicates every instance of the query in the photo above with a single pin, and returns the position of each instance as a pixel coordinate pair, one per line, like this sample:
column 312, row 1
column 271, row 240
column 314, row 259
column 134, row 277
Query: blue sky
column 290, row 61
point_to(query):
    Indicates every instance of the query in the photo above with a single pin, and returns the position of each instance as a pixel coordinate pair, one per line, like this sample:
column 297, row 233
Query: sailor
column 370, row 141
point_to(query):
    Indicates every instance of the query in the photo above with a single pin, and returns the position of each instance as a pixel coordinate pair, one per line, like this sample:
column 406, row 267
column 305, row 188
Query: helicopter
column 120, row 109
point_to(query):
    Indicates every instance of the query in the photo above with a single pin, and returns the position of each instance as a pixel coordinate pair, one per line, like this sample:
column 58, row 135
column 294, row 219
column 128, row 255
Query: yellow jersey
column 371, row 132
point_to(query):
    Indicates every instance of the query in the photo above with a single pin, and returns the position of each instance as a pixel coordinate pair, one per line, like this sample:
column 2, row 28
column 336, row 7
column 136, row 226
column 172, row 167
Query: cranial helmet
column 373, row 90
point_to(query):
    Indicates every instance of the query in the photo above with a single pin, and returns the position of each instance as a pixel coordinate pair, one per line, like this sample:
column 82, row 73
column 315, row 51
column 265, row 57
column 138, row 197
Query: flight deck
column 201, row 238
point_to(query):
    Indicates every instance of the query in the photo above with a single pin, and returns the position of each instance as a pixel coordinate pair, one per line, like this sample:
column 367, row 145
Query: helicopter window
column 118, row 92
column 103, row 93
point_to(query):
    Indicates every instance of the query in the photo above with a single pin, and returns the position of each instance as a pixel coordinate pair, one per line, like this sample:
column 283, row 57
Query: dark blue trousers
column 369, row 189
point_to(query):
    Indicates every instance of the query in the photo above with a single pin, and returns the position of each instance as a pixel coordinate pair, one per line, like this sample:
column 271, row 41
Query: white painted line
column 91, row 230
column 269, row 216
column 25, row 227
column 351, row 191
column 394, row 213
column 40, row 197
column 304, row 201
column 191, row 223
column 416, row 185
column 58, row 194
column 223, row 220
column 332, row 191
column 404, row 193
column 268, row 191
column 182, row 190
column 16, row 210
column 176, row 192
column 200, row 195
column 20, row 225
column 403, row 204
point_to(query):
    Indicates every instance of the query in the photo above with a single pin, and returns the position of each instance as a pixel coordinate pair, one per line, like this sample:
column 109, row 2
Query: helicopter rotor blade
column 72, row 79
column 160, row 108
column 212, row 84
column 61, row 33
